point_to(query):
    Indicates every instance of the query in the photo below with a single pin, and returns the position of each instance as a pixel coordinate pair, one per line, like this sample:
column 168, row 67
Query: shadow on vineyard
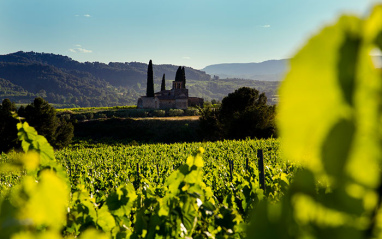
column 324, row 181
column 142, row 130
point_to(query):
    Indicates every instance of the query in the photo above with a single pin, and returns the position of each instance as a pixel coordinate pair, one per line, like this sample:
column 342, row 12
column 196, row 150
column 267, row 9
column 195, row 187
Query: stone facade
column 176, row 98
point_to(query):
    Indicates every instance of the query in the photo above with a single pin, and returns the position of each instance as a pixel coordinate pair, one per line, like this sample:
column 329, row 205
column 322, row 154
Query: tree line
column 243, row 113
column 39, row 114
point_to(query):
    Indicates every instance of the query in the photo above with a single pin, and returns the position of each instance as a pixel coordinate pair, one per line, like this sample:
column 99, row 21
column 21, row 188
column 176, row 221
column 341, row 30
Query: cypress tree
column 150, row 80
column 178, row 75
column 163, row 85
column 184, row 78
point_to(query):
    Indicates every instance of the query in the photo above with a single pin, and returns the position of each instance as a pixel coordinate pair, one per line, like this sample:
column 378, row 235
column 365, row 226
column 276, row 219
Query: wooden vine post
column 260, row 164
column 231, row 169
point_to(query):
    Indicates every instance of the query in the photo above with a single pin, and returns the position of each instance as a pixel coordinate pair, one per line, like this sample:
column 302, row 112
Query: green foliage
column 175, row 112
column 159, row 113
column 38, row 204
column 191, row 112
column 8, row 131
column 338, row 141
column 210, row 127
column 243, row 113
column 114, row 193
column 58, row 131
column 190, row 200
column 64, row 133
column 42, row 116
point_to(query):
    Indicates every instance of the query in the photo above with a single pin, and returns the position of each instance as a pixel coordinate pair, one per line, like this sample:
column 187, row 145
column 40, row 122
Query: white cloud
column 186, row 57
column 80, row 50
column 265, row 26
column 85, row 15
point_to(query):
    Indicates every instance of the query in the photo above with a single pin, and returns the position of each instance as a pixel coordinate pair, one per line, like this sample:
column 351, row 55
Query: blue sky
column 192, row 33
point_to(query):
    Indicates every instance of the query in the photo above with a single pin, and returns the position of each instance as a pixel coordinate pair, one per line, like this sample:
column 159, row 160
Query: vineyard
column 322, row 178
column 137, row 187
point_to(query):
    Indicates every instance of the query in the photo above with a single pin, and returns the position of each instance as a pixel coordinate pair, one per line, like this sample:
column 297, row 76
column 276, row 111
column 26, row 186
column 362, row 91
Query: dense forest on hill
column 69, row 83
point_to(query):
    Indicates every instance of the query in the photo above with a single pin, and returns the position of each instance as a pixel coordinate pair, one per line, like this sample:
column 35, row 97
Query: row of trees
column 39, row 114
column 179, row 76
column 243, row 113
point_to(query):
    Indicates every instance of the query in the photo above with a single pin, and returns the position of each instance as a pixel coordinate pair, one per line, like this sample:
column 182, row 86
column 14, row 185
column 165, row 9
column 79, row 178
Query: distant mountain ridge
column 69, row 83
column 272, row 70
column 115, row 72
column 63, row 80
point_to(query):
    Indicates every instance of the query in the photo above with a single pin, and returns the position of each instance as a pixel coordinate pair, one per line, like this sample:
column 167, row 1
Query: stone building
column 176, row 98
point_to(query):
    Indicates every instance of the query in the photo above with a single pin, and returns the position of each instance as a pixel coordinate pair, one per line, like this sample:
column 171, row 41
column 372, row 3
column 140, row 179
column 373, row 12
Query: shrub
column 175, row 112
column 191, row 112
column 159, row 113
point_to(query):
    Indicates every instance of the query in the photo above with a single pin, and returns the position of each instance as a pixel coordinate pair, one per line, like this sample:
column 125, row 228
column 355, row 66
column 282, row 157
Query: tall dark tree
column 183, row 77
column 243, row 113
column 64, row 134
column 163, row 85
column 178, row 74
column 209, row 125
column 8, row 129
column 42, row 116
column 150, row 80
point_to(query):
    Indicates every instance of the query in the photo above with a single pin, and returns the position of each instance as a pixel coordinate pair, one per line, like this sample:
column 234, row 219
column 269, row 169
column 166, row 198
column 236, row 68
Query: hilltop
column 272, row 70
column 69, row 83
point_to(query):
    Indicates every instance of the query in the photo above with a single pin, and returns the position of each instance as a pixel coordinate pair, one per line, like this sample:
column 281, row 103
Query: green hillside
column 69, row 83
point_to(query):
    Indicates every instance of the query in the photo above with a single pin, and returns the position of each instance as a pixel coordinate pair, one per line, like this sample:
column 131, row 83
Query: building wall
column 174, row 98
column 178, row 92
column 195, row 101
column 167, row 104
column 181, row 103
column 149, row 102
